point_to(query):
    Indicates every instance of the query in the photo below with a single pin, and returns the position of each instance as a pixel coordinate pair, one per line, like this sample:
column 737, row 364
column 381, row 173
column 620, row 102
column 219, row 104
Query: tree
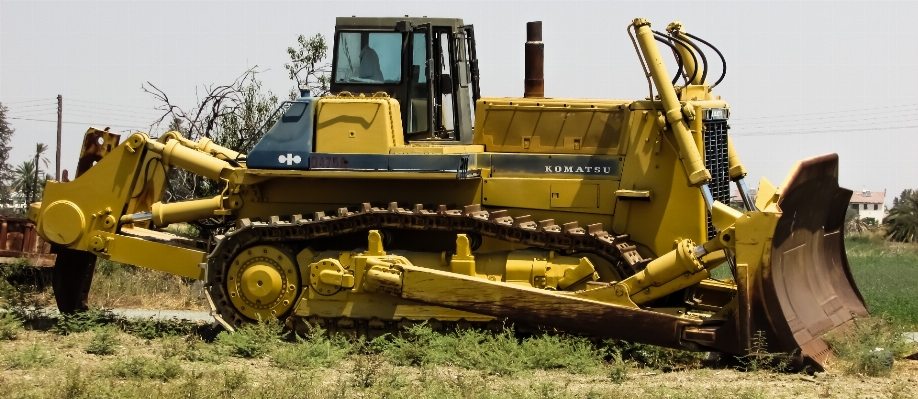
column 27, row 185
column 233, row 115
column 307, row 65
column 854, row 223
column 902, row 222
column 40, row 149
column 6, row 171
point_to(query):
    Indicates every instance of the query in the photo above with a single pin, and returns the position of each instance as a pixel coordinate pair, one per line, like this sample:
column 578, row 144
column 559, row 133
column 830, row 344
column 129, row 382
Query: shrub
column 251, row 340
column 760, row 359
column 869, row 346
column 144, row 368
column 618, row 368
column 10, row 325
column 655, row 357
column 88, row 320
column 32, row 357
column 190, row 348
column 315, row 350
column 75, row 385
column 104, row 342
column 501, row 353
column 156, row 328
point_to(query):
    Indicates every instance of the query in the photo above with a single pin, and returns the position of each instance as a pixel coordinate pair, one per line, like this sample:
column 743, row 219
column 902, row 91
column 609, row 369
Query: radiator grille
column 715, row 160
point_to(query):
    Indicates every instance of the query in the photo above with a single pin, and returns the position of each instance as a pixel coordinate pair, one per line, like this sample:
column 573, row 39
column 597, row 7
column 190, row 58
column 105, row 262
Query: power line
column 789, row 133
column 842, row 118
column 34, row 105
column 29, row 101
column 85, row 123
column 108, row 118
column 854, row 123
column 34, row 112
column 832, row 112
column 107, row 110
column 114, row 105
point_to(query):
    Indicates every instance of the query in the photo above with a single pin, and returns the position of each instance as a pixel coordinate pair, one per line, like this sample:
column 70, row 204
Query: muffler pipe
column 535, row 61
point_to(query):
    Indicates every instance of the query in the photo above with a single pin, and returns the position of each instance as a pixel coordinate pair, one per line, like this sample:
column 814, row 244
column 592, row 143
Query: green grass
column 33, row 356
column 887, row 276
column 10, row 325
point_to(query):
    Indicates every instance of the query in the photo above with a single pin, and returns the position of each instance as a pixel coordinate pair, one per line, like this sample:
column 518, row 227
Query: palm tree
column 24, row 181
column 902, row 222
column 40, row 149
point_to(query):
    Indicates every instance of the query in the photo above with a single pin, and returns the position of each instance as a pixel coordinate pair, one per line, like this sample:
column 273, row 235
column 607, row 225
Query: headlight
column 716, row 113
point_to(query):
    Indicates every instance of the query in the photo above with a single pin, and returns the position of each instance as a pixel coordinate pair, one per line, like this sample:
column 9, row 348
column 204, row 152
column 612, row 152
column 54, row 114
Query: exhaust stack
column 535, row 61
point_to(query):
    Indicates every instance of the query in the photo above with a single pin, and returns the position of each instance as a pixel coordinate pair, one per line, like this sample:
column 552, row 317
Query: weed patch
column 104, row 342
column 251, row 340
column 88, row 320
column 759, row 359
column 870, row 346
column 655, row 357
column 144, row 368
column 191, row 349
column 315, row 350
column 495, row 353
column 10, row 326
column 31, row 357
column 156, row 328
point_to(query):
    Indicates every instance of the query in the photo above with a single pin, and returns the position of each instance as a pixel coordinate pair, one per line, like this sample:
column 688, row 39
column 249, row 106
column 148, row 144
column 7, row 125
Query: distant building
column 736, row 200
column 869, row 204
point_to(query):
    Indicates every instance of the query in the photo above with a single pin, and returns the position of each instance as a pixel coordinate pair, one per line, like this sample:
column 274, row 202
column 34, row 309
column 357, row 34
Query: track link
column 545, row 234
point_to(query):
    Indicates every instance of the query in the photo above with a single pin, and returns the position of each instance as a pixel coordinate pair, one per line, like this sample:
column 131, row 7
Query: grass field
column 887, row 276
column 99, row 356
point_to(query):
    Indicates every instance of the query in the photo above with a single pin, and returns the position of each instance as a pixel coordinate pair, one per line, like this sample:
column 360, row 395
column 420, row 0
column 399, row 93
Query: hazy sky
column 804, row 78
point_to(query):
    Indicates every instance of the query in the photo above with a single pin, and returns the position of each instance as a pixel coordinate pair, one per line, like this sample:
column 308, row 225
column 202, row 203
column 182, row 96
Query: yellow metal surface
column 591, row 196
column 691, row 158
column 550, row 125
column 185, row 211
column 72, row 212
column 263, row 282
column 424, row 148
column 172, row 259
column 633, row 194
column 63, row 222
column 652, row 164
column 362, row 125
column 679, row 262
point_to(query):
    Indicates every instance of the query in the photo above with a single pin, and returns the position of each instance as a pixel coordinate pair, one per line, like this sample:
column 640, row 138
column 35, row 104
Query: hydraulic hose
column 723, row 61
column 686, row 46
column 678, row 59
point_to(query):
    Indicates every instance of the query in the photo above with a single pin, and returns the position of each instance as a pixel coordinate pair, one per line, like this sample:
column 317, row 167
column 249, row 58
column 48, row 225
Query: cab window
column 369, row 57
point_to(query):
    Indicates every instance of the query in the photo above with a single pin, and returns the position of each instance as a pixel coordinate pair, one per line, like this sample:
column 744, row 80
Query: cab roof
column 388, row 23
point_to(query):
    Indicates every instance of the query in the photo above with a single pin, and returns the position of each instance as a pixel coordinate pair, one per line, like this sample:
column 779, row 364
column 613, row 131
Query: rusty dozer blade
column 808, row 289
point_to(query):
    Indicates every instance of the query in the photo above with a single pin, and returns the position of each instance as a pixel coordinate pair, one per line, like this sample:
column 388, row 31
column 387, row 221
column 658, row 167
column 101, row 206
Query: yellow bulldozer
column 406, row 197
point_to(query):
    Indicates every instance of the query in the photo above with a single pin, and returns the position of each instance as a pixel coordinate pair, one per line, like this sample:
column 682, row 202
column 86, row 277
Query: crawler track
column 297, row 230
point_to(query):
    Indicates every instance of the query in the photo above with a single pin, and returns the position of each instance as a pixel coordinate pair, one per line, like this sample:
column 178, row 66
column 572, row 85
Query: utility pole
column 57, row 158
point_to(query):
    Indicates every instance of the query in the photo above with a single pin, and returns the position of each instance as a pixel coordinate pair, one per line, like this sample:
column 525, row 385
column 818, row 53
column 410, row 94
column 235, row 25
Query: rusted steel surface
column 810, row 290
column 535, row 61
column 18, row 239
column 96, row 144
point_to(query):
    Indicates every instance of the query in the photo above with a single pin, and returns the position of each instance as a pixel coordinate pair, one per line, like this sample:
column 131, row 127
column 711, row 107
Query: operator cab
column 428, row 65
